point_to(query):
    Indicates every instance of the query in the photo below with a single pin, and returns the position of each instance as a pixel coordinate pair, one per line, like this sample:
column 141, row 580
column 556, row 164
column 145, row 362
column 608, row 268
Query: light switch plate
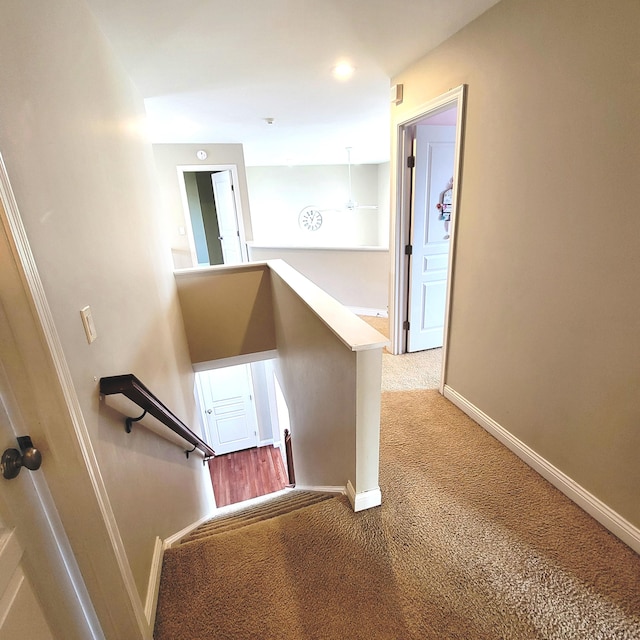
column 87, row 323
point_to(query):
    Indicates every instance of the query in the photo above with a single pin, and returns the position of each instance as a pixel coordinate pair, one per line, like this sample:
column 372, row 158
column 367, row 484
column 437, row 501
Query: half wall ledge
column 352, row 331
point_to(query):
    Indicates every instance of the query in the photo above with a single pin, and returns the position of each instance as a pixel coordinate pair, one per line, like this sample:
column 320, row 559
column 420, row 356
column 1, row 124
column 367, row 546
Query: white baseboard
column 606, row 516
column 365, row 499
column 319, row 488
column 266, row 443
column 367, row 311
column 176, row 537
column 153, row 587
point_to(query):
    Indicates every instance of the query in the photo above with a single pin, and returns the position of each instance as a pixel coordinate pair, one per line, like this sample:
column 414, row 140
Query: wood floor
column 247, row 474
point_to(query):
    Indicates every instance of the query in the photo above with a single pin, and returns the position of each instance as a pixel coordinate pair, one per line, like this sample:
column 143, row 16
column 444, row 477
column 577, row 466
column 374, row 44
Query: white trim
column 365, row 499
column 176, row 537
column 400, row 186
column 606, row 516
column 268, row 442
column 320, row 488
column 45, row 317
column 153, row 587
column 235, row 360
column 367, row 311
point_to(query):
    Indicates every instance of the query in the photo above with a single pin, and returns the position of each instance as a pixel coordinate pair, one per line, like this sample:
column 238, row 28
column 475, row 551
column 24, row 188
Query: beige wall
column 313, row 367
column 384, row 203
column 227, row 311
column 544, row 328
column 168, row 157
column 84, row 183
column 278, row 194
column 356, row 278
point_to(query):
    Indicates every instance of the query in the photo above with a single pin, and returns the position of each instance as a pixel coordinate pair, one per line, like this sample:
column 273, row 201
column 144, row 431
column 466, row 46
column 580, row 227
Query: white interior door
column 18, row 602
column 227, row 217
column 226, row 397
column 434, row 152
column 21, row 615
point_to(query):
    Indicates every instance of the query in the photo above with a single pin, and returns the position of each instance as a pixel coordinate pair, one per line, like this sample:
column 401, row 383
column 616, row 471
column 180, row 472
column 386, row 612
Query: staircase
column 243, row 517
column 198, row 566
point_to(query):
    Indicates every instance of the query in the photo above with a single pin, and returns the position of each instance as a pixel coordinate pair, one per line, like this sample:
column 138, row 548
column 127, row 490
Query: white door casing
column 227, row 217
column 429, row 259
column 400, row 188
column 226, row 398
column 232, row 171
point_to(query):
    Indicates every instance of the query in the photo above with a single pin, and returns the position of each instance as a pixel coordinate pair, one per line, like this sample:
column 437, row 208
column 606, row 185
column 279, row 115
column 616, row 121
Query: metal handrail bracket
column 129, row 386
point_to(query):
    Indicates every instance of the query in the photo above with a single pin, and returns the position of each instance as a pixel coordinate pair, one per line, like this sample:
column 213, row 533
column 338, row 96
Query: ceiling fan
column 310, row 218
column 351, row 204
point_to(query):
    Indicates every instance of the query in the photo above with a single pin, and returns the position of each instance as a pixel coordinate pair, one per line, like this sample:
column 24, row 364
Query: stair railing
column 288, row 448
column 129, row 386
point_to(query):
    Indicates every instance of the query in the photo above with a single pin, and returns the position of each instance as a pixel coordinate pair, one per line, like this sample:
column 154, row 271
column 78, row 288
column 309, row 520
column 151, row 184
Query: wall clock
column 310, row 219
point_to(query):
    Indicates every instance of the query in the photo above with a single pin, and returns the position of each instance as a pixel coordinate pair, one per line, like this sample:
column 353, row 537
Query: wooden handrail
column 128, row 385
column 288, row 448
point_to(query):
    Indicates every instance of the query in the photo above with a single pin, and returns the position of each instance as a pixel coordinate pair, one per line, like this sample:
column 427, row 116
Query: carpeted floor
column 469, row 544
column 420, row 370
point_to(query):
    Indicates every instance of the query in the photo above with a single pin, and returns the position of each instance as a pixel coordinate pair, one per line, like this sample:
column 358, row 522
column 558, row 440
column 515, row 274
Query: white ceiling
column 212, row 71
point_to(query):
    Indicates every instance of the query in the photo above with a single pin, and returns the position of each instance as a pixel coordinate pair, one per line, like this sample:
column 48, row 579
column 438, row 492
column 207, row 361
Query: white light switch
column 87, row 323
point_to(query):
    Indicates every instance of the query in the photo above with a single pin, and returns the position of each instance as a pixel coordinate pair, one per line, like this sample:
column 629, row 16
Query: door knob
column 13, row 460
column 209, row 410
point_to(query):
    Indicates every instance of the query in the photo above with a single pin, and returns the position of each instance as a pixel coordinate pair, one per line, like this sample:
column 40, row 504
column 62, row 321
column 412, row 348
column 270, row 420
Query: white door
column 227, row 217
column 226, row 397
column 18, row 602
column 434, row 153
column 21, row 615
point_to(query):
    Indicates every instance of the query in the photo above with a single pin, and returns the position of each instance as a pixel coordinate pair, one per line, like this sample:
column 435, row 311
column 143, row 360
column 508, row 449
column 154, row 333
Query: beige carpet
column 420, row 370
column 469, row 544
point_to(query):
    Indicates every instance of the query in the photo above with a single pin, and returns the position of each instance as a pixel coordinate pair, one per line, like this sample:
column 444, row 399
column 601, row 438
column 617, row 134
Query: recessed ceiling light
column 343, row 70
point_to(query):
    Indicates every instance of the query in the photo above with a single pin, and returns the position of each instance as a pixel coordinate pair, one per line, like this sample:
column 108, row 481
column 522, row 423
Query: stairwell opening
column 244, row 416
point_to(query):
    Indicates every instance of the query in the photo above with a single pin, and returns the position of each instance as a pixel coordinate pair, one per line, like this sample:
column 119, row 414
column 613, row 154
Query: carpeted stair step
column 273, row 508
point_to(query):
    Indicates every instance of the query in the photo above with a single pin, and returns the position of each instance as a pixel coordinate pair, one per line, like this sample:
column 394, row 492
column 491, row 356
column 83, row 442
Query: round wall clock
column 310, row 219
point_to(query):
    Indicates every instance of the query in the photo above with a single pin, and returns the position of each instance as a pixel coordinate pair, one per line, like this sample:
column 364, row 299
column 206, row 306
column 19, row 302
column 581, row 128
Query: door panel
column 227, row 217
column 229, row 411
column 20, row 612
column 428, row 268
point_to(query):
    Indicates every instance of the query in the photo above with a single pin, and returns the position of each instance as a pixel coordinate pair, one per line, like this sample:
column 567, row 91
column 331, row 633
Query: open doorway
column 243, row 419
column 429, row 145
column 213, row 214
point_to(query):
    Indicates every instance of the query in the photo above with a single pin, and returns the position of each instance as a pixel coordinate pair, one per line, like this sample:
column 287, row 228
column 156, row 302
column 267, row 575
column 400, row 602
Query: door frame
column 209, row 168
column 401, row 190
